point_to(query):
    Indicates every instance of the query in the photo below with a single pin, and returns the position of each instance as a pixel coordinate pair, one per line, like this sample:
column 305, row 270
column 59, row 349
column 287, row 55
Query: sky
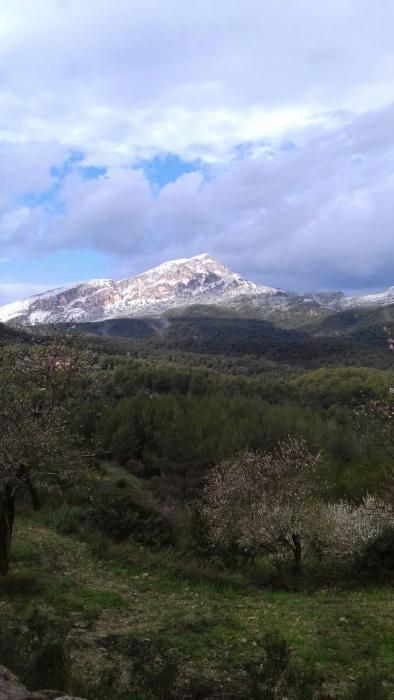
column 138, row 131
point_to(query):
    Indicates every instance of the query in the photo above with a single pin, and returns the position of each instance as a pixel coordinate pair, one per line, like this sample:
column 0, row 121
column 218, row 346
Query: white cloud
column 318, row 215
column 122, row 81
column 10, row 292
column 118, row 78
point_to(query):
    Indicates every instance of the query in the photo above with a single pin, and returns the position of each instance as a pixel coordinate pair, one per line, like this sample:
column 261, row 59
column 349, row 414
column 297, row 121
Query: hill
column 203, row 330
column 365, row 326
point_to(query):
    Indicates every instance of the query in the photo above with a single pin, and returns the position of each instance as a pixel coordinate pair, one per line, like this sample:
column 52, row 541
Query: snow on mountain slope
column 174, row 284
column 21, row 307
column 201, row 279
column 379, row 299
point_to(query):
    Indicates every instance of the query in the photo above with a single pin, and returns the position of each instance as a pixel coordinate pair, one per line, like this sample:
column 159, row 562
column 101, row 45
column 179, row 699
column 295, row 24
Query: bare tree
column 38, row 436
column 265, row 500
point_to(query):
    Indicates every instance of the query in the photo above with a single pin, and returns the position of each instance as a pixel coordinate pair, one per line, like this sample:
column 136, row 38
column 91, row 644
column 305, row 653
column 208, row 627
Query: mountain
column 379, row 299
column 201, row 279
column 174, row 285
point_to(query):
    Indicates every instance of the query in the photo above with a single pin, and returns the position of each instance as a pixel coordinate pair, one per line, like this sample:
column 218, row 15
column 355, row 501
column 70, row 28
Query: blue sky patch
column 167, row 167
column 58, row 268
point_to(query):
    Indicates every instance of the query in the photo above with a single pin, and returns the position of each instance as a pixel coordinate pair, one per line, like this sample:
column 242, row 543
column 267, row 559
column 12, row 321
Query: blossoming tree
column 38, row 436
column 265, row 501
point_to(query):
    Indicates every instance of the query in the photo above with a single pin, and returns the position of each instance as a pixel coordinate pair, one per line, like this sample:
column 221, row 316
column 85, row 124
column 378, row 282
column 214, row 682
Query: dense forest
column 193, row 505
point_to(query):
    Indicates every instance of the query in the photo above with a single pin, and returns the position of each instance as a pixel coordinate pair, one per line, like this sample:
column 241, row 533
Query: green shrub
column 35, row 648
column 377, row 557
column 200, row 543
column 151, row 669
column 49, row 665
column 281, row 574
column 369, row 686
column 66, row 519
column 11, row 648
column 20, row 584
column 118, row 515
column 276, row 675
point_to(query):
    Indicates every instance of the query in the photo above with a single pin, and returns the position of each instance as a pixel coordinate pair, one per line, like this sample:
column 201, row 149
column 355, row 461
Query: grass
column 212, row 628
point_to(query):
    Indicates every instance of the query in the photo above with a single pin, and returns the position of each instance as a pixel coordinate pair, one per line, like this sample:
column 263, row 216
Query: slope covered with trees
column 212, row 510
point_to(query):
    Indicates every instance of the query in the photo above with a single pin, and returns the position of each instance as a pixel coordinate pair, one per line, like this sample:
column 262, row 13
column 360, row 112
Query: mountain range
column 174, row 285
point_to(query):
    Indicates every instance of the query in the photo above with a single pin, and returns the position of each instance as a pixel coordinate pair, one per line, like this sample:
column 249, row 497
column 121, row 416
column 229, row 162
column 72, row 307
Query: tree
column 353, row 526
column 383, row 411
column 39, row 441
column 265, row 500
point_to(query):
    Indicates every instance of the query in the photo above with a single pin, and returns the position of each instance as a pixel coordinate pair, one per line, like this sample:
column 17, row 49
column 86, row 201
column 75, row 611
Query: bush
column 49, row 665
column 275, row 675
column 376, row 558
column 35, row 649
column 353, row 527
column 149, row 669
column 66, row 519
column 20, row 584
column 118, row 515
column 369, row 686
column 11, row 653
column 199, row 534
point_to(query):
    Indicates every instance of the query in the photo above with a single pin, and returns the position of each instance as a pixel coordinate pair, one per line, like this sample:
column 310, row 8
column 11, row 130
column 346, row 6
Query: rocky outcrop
column 12, row 689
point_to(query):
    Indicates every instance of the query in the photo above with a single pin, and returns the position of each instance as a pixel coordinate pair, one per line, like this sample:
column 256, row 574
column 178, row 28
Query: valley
column 117, row 585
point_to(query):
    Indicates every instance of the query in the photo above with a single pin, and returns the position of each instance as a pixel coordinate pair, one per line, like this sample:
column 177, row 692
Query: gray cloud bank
column 318, row 215
column 120, row 81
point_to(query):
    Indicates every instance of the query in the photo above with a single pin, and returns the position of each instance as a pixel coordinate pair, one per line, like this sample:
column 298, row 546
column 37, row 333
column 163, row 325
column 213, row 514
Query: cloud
column 193, row 78
column 10, row 292
column 318, row 215
column 286, row 106
column 28, row 167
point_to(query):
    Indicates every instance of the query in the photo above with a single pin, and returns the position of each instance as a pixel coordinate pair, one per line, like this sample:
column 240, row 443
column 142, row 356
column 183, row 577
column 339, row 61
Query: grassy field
column 123, row 606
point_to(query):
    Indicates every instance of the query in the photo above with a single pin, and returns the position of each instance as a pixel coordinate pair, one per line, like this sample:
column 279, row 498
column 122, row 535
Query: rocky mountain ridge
column 175, row 284
column 201, row 279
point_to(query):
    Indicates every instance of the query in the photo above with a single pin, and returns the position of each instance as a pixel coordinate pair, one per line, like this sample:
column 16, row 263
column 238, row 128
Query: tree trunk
column 7, row 512
column 297, row 552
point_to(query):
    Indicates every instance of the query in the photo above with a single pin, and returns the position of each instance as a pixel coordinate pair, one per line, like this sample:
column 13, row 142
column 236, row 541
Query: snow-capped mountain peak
column 200, row 279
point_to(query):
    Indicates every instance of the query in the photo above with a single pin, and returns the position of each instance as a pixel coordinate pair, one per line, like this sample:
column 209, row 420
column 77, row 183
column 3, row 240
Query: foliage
column 67, row 518
column 369, row 686
column 172, row 419
column 354, row 526
column 217, row 334
column 350, row 386
column 121, row 516
column 275, row 675
column 35, row 648
column 376, row 558
column 39, row 441
column 190, row 591
column 265, row 500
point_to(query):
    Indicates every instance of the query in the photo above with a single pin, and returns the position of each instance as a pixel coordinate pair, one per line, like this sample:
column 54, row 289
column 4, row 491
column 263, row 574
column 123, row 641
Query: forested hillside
column 344, row 338
column 203, row 509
